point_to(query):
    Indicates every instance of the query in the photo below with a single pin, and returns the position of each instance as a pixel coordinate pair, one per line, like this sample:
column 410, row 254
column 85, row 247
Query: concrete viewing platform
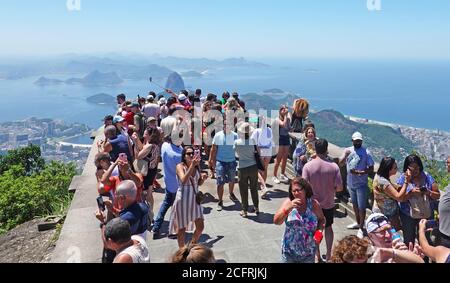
column 233, row 239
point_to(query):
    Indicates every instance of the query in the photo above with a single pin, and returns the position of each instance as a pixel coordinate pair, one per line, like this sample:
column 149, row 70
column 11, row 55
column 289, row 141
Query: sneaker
column 257, row 211
column 243, row 213
column 156, row 235
column 220, row 206
column 275, row 180
column 353, row 226
column 283, row 178
column 360, row 234
column 233, row 197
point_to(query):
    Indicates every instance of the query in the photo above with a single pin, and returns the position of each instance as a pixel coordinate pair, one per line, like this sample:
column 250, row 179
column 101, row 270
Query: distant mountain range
column 132, row 67
column 94, row 78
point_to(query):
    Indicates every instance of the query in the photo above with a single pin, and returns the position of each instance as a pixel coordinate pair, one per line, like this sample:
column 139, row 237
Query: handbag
column 141, row 166
column 199, row 196
column 420, row 207
column 259, row 163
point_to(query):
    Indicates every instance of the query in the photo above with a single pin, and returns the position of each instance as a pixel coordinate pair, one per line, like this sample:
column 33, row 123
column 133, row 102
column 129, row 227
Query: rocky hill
column 381, row 140
column 97, row 78
column 175, row 82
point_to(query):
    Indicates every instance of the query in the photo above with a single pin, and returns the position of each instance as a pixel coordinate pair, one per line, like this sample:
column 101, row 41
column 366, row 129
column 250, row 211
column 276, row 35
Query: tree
column 29, row 157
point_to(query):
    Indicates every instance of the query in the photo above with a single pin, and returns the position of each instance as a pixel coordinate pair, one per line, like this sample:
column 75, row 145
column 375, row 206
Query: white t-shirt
column 139, row 253
column 263, row 137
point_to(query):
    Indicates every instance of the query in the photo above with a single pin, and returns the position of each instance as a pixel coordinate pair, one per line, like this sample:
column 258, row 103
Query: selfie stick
column 151, row 81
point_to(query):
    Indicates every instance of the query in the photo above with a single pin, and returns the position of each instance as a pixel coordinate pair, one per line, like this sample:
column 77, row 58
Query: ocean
column 413, row 93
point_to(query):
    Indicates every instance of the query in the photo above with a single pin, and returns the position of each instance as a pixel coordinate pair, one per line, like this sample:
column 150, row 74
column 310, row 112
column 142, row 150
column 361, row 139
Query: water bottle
column 395, row 235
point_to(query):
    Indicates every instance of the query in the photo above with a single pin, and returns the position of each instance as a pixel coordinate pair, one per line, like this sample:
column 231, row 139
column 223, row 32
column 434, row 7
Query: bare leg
column 220, row 192
column 199, row 226
column 180, row 237
column 284, row 160
column 266, row 161
column 329, row 237
column 277, row 164
column 231, row 186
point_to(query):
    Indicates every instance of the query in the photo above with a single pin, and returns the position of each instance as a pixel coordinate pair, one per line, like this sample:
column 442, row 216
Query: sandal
column 243, row 214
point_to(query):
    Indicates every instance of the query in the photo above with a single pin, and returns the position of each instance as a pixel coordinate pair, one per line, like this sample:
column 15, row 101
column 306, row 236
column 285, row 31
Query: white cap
column 162, row 100
column 182, row 97
column 357, row 136
column 375, row 221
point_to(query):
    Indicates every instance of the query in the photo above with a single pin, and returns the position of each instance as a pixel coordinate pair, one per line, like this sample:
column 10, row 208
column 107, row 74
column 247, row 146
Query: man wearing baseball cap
column 360, row 163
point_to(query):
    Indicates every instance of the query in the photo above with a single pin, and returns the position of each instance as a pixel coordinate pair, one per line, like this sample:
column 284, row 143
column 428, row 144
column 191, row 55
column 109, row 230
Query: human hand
column 99, row 215
column 108, row 203
column 422, row 225
column 399, row 245
column 134, row 136
column 296, row 203
column 303, row 158
column 416, row 249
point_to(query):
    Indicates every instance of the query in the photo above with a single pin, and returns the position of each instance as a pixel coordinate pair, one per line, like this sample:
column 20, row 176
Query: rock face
column 175, row 82
column 101, row 98
column 25, row 244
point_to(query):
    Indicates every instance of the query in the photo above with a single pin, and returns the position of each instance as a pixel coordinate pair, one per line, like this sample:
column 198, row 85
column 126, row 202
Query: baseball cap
column 375, row 221
column 151, row 119
column 182, row 97
column 357, row 136
column 162, row 100
column 118, row 119
column 134, row 104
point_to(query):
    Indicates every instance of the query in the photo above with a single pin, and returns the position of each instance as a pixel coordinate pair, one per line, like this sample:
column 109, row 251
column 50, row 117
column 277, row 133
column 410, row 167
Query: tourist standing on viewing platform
column 121, row 98
column 263, row 138
column 359, row 164
column 151, row 108
column 304, row 221
column 126, row 208
column 300, row 111
column 325, row 179
column 186, row 209
column 248, row 170
column 386, row 194
column 115, row 144
column 444, row 214
column 171, row 156
column 283, row 125
column 305, row 150
column 421, row 189
column 222, row 160
column 129, row 248
column 388, row 246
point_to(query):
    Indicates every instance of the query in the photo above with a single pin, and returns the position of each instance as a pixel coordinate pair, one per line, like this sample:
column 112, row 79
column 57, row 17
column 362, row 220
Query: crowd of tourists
column 193, row 138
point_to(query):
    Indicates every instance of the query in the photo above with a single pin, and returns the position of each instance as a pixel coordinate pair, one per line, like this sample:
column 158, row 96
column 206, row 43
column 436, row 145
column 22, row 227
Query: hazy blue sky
column 214, row 28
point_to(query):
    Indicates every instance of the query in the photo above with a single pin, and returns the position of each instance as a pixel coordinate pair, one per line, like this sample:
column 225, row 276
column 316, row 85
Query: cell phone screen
column 100, row 203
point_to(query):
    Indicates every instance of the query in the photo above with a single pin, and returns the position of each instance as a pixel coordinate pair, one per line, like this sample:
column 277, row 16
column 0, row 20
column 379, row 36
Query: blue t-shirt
column 171, row 156
column 136, row 215
column 359, row 159
column 119, row 145
column 225, row 143
column 404, row 206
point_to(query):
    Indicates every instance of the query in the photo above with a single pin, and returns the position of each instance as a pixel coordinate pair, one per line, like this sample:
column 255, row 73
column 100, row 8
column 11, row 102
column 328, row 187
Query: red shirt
column 129, row 118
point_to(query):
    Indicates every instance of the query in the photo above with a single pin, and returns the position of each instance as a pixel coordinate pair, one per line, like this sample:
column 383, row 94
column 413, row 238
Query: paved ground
column 235, row 239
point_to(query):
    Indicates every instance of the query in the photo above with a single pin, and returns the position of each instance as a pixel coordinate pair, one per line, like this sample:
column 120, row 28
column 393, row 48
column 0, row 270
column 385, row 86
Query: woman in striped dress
column 186, row 211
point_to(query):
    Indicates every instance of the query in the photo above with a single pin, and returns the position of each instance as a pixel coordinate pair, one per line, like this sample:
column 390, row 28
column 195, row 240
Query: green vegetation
column 436, row 169
column 381, row 140
column 31, row 188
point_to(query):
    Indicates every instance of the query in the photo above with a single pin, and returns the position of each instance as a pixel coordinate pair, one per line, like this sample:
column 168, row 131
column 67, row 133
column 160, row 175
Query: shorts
column 225, row 172
column 150, row 178
column 329, row 216
column 285, row 140
column 359, row 196
column 266, row 152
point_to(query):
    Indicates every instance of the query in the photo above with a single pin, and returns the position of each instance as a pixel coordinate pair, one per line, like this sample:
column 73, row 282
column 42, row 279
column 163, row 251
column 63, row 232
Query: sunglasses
column 189, row 153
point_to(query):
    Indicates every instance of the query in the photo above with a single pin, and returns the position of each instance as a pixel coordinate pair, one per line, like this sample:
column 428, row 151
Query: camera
column 423, row 189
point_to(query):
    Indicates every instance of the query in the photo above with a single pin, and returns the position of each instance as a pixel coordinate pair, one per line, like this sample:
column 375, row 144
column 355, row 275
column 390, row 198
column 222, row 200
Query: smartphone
column 100, row 203
column 197, row 152
column 423, row 189
column 431, row 224
column 123, row 157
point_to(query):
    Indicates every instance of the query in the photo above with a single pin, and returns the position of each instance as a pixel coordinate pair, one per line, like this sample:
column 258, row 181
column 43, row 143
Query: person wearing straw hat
column 248, row 169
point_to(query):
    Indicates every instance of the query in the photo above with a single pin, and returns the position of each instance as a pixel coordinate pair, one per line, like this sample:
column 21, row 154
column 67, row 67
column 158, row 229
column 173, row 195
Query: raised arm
column 438, row 254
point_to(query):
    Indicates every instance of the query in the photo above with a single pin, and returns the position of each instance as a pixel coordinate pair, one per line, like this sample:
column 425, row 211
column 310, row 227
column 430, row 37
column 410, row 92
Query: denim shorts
column 284, row 140
column 359, row 196
column 225, row 172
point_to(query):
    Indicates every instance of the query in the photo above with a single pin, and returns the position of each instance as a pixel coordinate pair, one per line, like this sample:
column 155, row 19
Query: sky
column 218, row 29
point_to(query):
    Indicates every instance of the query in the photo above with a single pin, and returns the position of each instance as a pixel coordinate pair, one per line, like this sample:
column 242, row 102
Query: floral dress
column 298, row 239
